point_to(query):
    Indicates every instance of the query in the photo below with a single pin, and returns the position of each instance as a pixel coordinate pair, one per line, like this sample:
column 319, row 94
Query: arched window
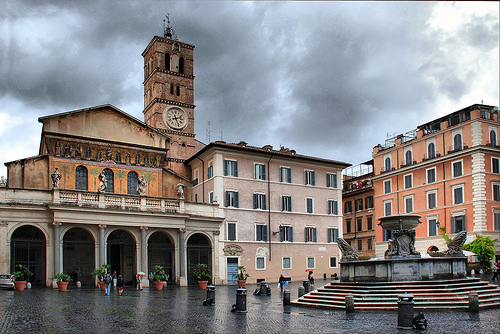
column 81, row 179
column 408, row 158
column 387, row 164
column 181, row 65
column 132, row 181
column 431, row 151
column 167, row 61
column 493, row 138
column 457, row 142
column 109, row 179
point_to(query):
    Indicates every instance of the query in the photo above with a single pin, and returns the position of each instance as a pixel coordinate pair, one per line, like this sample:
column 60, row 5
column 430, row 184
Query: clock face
column 176, row 118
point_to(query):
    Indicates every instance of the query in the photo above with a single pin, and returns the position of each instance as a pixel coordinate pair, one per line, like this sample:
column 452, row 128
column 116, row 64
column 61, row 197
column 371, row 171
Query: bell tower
column 169, row 94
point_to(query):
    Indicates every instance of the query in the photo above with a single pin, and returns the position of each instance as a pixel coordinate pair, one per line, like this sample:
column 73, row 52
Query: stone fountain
column 401, row 261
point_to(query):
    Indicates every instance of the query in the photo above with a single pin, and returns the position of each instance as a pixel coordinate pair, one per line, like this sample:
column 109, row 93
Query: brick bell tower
column 169, row 95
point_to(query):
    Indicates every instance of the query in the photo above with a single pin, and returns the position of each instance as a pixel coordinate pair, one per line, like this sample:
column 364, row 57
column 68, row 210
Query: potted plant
column 62, row 281
column 21, row 277
column 241, row 276
column 159, row 277
column 99, row 275
column 201, row 272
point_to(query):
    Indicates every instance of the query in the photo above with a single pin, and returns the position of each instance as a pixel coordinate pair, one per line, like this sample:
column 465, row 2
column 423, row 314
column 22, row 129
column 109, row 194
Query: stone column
column 57, row 247
column 182, row 258
column 144, row 255
column 102, row 244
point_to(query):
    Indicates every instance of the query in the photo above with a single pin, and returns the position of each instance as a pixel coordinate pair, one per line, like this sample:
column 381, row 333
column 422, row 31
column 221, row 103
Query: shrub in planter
column 201, row 272
column 21, row 277
column 62, row 281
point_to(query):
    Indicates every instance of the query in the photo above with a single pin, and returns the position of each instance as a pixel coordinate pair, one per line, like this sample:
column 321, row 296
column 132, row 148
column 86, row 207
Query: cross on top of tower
column 168, row 31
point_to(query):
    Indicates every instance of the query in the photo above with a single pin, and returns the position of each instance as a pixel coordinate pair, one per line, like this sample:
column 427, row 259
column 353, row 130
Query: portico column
column 102, row 243
column 182, row 258
column 57, row 251
column 144, row 250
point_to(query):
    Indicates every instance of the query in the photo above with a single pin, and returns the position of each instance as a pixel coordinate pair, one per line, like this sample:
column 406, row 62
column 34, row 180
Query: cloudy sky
column 328, row 79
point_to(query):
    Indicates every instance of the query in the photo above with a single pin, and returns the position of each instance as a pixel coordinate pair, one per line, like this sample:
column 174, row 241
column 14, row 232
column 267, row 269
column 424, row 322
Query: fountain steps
column 436, row 295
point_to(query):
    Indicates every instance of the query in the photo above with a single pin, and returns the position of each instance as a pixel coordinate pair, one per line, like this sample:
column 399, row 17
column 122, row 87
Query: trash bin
column 211, row 294
column 241, row 300
column 305, row 283
column 405, row 311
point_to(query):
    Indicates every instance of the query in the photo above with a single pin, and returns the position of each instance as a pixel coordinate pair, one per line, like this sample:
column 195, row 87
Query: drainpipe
column 203, row 179
column 269, row 232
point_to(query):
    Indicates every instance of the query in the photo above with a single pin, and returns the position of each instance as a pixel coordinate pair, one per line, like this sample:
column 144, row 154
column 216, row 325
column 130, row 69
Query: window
column 431, row 151
column 408, row 181
column 431, row 175
column 260, row 172
column 178, row 90
column 181, row 65
column 333, row 207
column 496, row 221
column 309, row 177
column 458, row 224
column 260, row 263
column 210, row 170
column 261, row 232
column 387, row 187
column 457, row 169
column 195, row 177
column 359, row 223
column 333, row 234
column 331, row 180
column 496, row 192
column 132, row 182
column 431, row 200
column 232, row 199
column 495, row 165
column 369, row 244
column 108, row 173
column 171, row 89
column 309, row 205
column 333, row 262
column 231, row 231
column 493, row 138
column 408, row 204
column 286, row 175
column 408, row 158
column 211, row 197
column 81, row 181
column 369, row 223
column 360, row 245
column 286, row 233
column 458, row 195
column 359, row 204
column 457, row 142
column 286, row 203
column 432, row 227
column 388, row 208
column 387, row 235
column 369, row 202
column 231, row 168
column 348, row 207
column 387, row 164
column 167, row 61
column 310, row 234
column 310, row 262
column 287, row 263
column 348, row 226
column 259, row 201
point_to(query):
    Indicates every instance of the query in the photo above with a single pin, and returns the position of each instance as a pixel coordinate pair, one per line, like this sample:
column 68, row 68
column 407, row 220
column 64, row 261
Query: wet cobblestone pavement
column 181, row 310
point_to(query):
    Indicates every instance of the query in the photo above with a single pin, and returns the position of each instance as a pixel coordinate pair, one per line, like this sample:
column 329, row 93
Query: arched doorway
column 121, row 253
column 199, row 250
column 79, row 255
column 161, row 252
column 27, row 247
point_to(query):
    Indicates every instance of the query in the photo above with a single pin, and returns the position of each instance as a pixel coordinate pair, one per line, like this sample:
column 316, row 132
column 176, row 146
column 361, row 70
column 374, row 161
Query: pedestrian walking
column 108, row 280
column 495, row 272
column 138, row 278
column 114, row 278
column 282, row 282
column 311, row 277
column 119, row 284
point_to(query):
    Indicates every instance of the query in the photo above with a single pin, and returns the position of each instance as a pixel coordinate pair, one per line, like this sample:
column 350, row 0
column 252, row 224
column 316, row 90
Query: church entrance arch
column 27, row 247
column 79, row 255
column 199, row 250
column 121, row 255
column 161, row 252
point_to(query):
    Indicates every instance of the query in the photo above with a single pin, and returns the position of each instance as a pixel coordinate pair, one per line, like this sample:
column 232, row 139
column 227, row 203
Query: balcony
column 456, row 148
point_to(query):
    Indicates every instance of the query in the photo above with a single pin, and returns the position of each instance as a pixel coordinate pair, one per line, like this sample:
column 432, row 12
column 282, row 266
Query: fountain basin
column 398, row 222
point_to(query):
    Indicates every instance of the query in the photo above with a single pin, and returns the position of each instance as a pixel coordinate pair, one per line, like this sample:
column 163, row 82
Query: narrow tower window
column 181, row 65
column 167, row 61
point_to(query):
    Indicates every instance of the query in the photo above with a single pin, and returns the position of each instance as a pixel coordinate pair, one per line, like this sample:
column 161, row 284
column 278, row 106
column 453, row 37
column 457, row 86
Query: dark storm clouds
column 328, row 79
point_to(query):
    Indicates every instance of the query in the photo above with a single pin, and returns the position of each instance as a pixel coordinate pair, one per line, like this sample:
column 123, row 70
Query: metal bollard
column 286, row 297
column 301, row 291
column 210, row 295
column 263, row 288
column 349, row 303
column 405, row 311
column 241, row 300
column 473, row 302
column 305, row 283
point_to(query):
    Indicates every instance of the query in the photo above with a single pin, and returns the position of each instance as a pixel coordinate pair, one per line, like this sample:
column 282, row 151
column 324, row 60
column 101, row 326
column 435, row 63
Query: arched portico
column 121, row 254
column 79, row 255
column 161, row 251
column 28, row 247
column 199, row 250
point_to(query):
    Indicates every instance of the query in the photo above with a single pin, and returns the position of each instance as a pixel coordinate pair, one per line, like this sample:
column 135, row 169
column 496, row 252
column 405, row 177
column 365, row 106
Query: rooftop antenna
column 221, row 132
column 168, row 31
column 208, row 132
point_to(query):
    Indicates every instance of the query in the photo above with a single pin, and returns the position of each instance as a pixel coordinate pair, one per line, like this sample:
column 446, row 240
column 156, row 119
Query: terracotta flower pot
column 62, row 286
column 159, row 285
column 242, row 283
column 203, row 284
column 20, row 285
column 102, row 285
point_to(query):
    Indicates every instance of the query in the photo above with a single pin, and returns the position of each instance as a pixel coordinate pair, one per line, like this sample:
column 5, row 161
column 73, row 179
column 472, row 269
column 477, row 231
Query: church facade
column 107, row 188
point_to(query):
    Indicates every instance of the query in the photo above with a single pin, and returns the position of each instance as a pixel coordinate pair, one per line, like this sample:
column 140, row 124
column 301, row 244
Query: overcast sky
column 328, row 79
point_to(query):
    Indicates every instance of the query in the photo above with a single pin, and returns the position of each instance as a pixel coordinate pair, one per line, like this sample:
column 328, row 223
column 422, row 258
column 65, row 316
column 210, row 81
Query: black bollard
column 405, row 311
column 210, row 295
column 241, row 301
column 286, row 297
column 305, row 283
